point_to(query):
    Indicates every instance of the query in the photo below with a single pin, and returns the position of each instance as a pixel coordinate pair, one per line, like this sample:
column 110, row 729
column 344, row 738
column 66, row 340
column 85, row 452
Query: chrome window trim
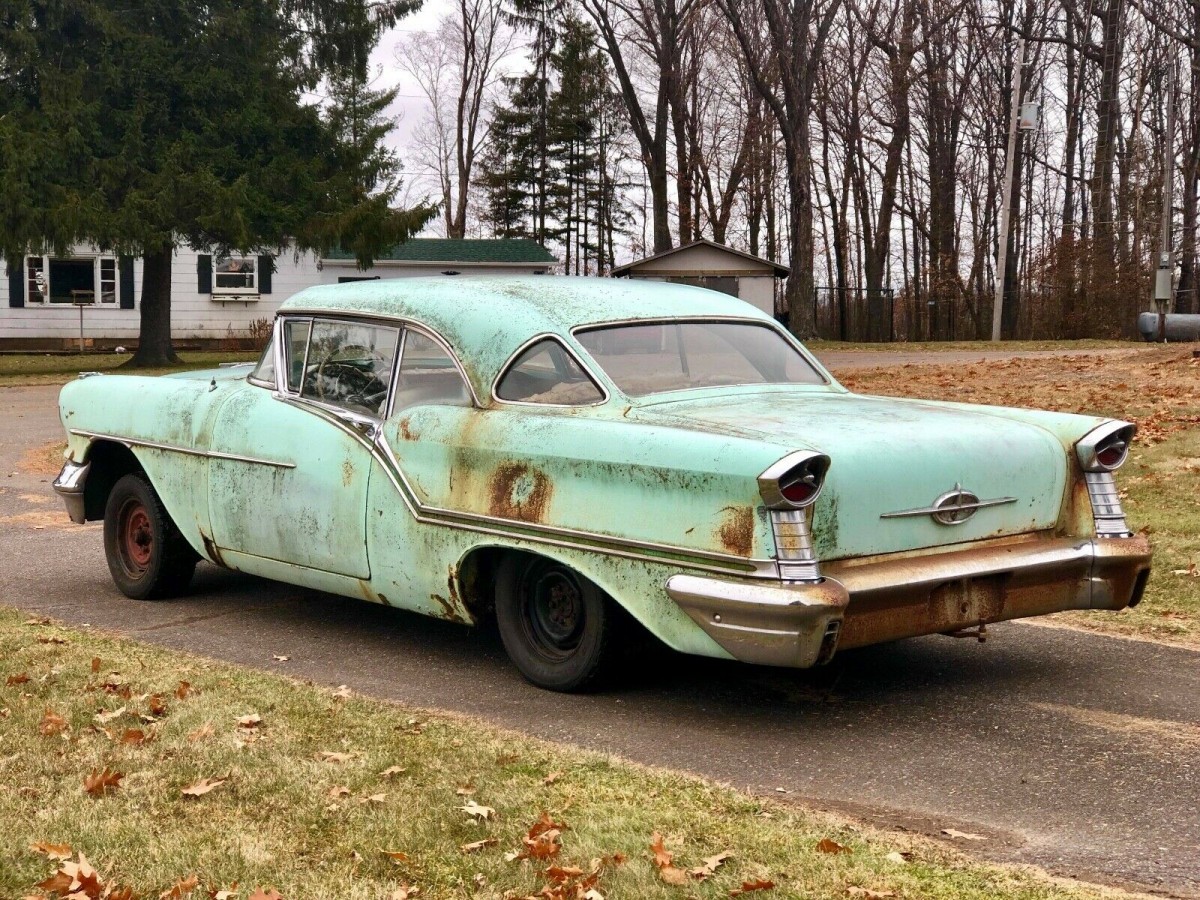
column 771, row 325
column 352, row 416
column 392, row 321
column 583, row 367
column 441, row 342
column 175, row 448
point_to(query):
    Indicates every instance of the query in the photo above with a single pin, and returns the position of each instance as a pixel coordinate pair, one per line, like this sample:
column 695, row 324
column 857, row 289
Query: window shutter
column 204, row 273
column 16, row 283
column 266, row 265
column 125, row 277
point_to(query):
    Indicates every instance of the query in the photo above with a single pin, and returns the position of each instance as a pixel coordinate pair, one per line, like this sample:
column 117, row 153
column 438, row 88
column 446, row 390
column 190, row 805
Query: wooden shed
column 714, row 266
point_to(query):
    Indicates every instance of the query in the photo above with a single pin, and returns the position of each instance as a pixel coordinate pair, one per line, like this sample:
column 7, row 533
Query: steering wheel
column 352, row 383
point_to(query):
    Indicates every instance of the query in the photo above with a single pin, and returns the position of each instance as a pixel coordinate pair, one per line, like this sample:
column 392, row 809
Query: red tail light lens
column 1112, row 455
column 801, row 490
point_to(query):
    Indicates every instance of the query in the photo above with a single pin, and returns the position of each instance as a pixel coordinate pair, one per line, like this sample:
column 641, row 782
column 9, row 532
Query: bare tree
column 456, row 68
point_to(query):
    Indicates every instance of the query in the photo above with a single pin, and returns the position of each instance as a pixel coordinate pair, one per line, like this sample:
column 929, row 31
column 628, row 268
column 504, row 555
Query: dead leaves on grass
column 203, row 786
column 52, row 723
column 102, row 781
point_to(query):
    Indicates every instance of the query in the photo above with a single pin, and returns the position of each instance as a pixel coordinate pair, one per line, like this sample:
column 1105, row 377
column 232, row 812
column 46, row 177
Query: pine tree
column 170, row 122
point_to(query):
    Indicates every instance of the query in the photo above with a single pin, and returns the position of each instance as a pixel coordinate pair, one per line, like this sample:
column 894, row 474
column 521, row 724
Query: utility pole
column 1163, row 287
column 1006, row 209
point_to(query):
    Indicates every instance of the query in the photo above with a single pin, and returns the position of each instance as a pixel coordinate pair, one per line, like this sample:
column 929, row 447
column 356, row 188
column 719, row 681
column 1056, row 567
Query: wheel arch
column 110, row 461
column 638, row 589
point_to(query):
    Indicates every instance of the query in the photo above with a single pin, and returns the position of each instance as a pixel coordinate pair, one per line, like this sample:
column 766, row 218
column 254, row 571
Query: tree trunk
column 800, row 289
column 154, row 336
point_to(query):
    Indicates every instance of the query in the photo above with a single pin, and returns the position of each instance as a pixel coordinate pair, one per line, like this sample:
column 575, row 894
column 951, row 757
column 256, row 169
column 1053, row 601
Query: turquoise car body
column 657, row 499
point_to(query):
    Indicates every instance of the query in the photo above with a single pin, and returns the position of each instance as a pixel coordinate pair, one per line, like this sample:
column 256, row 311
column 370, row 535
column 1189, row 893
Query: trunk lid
column 891, row 455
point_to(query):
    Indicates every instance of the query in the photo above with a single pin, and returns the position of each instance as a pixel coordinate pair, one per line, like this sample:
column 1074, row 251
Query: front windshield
column 652, row 357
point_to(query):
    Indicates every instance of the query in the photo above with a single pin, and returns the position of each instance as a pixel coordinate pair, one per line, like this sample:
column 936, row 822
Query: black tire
column 148, row 558
column 557, row 627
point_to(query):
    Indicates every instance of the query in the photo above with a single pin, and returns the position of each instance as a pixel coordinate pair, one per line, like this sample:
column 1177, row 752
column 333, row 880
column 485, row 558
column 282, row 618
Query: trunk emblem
column 952, row 508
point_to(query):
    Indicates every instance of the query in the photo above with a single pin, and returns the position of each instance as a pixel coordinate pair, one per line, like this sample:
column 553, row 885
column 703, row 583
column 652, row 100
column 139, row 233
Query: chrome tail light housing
column 789, row 488
column 1101, row 452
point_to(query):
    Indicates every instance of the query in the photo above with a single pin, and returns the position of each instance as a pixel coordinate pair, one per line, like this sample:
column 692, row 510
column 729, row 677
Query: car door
column 320, row 416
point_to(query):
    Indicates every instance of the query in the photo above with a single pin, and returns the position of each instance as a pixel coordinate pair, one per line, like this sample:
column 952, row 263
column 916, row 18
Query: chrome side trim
column 793, row 545
column 934, row 509
column 186, row 451
column 583, row 367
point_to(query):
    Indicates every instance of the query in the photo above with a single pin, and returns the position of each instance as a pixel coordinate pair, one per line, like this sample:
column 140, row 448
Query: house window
column 72, row 279
column 234, row 275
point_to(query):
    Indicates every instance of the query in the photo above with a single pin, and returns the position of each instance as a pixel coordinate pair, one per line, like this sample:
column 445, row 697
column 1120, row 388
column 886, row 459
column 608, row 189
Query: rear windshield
column 649, row 358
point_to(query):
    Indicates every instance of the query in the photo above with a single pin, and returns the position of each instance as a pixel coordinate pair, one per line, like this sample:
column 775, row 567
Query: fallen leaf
column 14, row 680
column 392, row 770
column 251, row 721
column 662, row 859
column 330, row 756
column 53, row 851
column 278, row 657
column 226, row 894
column 338, row 792
column 480, row 813
column 709, row 866
column 750, row 886
column 199, row 734
column 202, row 787
column 181, row 888
column 396, row 856
column 342, row 692
column 825, row 845
column 552, row 777
column 465, row 790
column 962, row 835
column 52, row 723
column 374, row 798
column 404, row 892
column 102, row 781
column 52, row 639
column 95, row 665
column 269, row 894
column 104, row 718
column 134, row 736
column 899, row 856
column 541, row 841
column 478, row 845
column 183, row 691
column 868, row 894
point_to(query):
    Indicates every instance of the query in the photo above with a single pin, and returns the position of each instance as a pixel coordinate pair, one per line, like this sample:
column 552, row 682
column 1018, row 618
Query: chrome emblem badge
column 952, row 508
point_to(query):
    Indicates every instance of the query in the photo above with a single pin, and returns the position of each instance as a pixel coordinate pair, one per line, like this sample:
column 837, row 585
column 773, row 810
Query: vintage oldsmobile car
column 574, row 456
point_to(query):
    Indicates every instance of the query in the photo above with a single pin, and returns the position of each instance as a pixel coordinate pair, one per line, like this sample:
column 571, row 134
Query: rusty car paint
column 628, row 493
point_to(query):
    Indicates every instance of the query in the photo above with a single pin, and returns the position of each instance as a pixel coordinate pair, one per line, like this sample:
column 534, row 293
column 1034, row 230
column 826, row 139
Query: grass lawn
column 230, row 780
column 1003, row 346
column 43, row 368
column 1159, row 388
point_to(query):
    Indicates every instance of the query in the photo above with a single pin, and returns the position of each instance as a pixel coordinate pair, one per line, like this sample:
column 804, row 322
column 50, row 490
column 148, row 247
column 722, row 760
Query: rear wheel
column 557, row 627
column 148, row 558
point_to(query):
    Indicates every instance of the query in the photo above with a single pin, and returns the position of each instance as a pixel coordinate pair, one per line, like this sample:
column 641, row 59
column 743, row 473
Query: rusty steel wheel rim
column 135, row 537
column 553, row 610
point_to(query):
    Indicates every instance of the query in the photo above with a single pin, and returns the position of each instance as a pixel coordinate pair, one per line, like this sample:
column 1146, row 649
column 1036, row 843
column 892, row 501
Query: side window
column 350, row 365
column 295, row 346
column 547, row 373
column 428, row 375
column 265, row 370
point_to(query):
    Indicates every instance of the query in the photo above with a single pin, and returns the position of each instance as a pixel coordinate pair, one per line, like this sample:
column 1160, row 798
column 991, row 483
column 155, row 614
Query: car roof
column 487, row 318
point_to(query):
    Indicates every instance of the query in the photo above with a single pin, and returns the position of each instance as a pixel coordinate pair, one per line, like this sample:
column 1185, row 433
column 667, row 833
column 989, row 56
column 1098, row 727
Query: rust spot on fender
column 519, row 492
column 405, row 431
column 448, row 611
column 736, row 532
column 210, row 549
column 347, row 473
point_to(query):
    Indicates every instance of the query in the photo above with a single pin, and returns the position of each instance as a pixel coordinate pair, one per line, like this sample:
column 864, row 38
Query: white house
column 713, row 266
column 44, row 298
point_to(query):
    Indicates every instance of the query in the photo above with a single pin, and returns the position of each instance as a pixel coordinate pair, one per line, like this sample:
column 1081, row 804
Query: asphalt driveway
column 1072, row 751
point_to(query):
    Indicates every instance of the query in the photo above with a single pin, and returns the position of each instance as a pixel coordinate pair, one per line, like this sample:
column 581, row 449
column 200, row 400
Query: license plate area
column 966, row 602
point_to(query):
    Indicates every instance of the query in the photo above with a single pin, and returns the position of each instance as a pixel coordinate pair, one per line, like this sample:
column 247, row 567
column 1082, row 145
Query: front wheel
column 148, row 558
column 557, row 627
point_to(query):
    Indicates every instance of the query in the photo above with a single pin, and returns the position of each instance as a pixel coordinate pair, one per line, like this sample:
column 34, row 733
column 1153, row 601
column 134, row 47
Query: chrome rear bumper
column 885, row 598
column 69, row 484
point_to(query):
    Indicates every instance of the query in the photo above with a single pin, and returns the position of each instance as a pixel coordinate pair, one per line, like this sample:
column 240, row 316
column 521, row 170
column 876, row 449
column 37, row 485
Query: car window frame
column 432, row 335
column 771, row 325
column 588, row 372
column 352, row 414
